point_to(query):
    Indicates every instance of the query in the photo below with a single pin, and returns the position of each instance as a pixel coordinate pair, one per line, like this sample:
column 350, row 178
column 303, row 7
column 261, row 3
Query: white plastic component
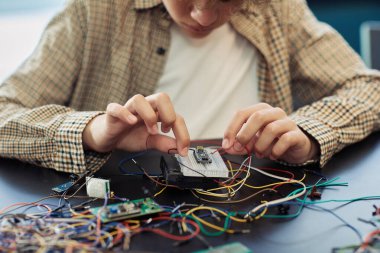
column 97, row 187
column 217, row 168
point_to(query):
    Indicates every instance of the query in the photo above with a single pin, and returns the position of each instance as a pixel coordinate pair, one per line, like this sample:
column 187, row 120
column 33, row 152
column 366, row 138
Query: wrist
column 88, row 140
column 314, row 149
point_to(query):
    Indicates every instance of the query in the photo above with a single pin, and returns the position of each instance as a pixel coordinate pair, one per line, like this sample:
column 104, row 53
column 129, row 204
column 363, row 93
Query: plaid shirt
column 96, row 52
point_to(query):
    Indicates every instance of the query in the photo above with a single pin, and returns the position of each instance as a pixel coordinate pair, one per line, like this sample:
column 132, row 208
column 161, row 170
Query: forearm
column 345, row 117
column 341, row 94
column 49, row 136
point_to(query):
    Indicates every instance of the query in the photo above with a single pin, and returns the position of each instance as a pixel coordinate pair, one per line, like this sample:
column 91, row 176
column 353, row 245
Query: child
column 234, row 69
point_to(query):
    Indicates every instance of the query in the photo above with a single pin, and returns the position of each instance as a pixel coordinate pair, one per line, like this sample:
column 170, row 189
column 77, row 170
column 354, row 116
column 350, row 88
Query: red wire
column 278, row 170
column 238, row 174
column 119, row 236
column 171, row 236
column 368, row 238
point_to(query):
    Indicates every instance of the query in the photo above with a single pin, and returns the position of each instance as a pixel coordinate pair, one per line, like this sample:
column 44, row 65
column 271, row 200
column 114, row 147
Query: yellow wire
column 208, row 208
column 84, row 216
column 137, row 222
column 230, row 231
column 42, row 242
column 274, row 184
column 263, row 212
column 161, row 191
column 232, row 201
column 230, row 167
column 228, row 187
column 104, row 236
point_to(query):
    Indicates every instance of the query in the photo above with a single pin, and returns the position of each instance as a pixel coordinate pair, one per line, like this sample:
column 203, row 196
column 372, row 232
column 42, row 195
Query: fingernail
column 238, row 146
column 225, row 144
column 132, row 118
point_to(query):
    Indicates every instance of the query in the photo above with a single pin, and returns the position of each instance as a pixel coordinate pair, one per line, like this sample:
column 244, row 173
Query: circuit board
column 203, row 162
column 62, row 187
column 127, row 210
column 201, row 169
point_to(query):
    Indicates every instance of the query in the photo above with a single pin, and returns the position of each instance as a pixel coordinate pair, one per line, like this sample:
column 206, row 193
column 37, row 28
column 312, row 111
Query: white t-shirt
column 208, row 79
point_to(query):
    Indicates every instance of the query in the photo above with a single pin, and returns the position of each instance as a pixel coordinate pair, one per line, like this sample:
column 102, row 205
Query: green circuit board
column 127, row 210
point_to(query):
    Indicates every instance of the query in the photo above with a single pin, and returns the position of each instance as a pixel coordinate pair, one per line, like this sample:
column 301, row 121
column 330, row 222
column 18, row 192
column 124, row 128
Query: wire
column 161, row 191
column 171, row 236
column 339, row 218
column 277, row 201
column 151, row 178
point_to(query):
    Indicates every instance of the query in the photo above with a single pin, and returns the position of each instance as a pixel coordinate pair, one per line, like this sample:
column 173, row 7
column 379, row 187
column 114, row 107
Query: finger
column 181, row 135
column 140, row 106
column 164, row 106
column 268, row 152
column 121, row 113
column 162, row 143
column 270, row 133
column 237, row 122
column 258, row 120
column 285, row 142
column 237, row 149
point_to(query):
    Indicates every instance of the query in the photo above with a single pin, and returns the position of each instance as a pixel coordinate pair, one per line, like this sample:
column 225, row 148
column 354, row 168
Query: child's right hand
column 133, row 126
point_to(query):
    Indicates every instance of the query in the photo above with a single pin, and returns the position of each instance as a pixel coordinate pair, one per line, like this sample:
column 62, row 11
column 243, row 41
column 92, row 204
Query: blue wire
column 339, row 218
column 125, row 160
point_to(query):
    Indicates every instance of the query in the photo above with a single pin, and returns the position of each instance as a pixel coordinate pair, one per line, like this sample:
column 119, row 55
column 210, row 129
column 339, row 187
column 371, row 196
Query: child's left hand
column 268, row 132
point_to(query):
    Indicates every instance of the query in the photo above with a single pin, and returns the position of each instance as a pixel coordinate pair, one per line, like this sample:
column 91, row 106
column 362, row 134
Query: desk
column 312, row 231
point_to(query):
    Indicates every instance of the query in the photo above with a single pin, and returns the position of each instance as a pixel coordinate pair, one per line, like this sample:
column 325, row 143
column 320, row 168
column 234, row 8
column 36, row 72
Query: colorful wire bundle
column 71, row 228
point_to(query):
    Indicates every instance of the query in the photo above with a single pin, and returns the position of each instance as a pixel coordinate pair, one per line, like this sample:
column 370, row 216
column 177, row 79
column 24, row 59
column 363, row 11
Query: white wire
column 277, row 201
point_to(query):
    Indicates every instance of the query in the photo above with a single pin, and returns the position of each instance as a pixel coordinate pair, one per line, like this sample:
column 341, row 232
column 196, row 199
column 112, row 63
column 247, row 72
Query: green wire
column 303, row 201
column 273, row 216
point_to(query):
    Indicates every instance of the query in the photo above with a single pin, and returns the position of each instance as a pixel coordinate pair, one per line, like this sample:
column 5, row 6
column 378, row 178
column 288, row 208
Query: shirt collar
column 146, row 4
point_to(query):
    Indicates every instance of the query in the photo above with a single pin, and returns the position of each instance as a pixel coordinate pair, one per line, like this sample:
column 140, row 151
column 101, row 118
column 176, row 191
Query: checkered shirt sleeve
column 34, row 126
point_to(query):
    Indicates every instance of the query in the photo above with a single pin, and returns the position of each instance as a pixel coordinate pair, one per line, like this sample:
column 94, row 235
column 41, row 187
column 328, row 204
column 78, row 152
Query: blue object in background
column 346, row 16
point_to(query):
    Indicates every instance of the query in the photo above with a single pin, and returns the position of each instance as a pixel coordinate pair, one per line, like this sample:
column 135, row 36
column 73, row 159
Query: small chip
column 201, row 155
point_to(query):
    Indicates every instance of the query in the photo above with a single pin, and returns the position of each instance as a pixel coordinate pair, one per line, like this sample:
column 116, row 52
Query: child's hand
column 268, row 132
column 133, row 126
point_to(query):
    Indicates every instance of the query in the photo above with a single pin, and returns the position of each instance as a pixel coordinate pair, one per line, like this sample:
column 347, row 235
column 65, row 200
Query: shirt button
column 161, row 51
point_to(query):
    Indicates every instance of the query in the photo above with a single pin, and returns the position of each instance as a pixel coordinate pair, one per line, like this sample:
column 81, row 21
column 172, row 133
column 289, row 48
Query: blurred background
column 22, row 22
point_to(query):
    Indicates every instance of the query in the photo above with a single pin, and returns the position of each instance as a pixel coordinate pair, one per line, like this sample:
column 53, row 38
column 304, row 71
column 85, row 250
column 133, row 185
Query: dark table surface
column 312, row 231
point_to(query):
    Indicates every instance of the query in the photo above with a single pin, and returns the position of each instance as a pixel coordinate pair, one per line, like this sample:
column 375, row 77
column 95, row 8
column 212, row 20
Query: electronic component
column 127, row 210
column 188, row 173
column 62, row 187
column 377, row 211
column 235, row 247
column 201, row 155
column 283, row 209
column 314, row 194
column 97, row 187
